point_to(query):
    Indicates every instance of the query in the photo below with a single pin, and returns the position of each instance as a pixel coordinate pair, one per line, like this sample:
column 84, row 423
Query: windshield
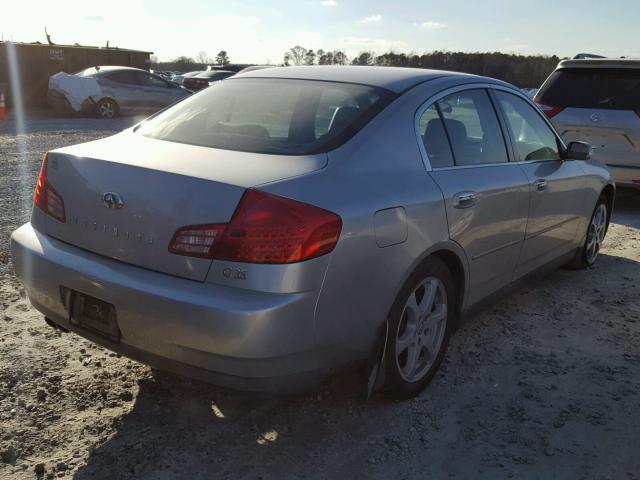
column 290, row 117
column 598, row 88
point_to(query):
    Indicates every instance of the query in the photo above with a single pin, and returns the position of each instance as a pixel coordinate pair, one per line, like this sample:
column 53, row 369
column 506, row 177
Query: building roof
column 90, row 47
column 396, row 79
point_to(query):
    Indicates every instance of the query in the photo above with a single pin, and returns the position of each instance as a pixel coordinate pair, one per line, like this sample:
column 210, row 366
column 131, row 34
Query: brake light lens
column 264, row 229
column 549, row 110
column 45, row 197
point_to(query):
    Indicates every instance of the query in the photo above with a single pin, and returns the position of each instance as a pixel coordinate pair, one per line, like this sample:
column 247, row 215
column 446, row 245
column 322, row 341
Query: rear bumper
column 59, row 103
column 625, row 176
column 235, row 338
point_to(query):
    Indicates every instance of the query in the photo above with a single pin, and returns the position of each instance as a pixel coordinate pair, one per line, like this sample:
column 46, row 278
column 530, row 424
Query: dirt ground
column 543, row 384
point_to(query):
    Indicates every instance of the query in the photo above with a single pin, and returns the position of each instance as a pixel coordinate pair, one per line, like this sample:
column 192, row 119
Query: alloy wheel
column 596, row 233
column 107, row 110
column 421, row 329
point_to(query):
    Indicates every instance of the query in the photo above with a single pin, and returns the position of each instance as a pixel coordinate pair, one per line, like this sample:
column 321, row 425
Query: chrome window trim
column 474, row 86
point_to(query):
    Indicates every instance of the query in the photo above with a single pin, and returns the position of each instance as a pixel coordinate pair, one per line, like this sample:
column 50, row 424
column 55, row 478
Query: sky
column 254, row 31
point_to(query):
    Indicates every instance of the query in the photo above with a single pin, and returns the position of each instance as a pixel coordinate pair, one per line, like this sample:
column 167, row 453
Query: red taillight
column 549, row 110
column 266, row 229
column 45, row 197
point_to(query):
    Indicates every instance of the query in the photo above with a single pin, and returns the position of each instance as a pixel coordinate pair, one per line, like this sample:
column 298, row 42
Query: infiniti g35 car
column 287, row 222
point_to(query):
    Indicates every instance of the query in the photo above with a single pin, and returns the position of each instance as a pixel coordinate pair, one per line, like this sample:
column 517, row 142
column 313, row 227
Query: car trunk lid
column 163, row 186
column 613, row 134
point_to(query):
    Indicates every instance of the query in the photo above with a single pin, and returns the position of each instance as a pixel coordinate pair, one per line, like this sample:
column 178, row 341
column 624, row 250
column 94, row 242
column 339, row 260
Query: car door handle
column 541, row 185
column 464, row 200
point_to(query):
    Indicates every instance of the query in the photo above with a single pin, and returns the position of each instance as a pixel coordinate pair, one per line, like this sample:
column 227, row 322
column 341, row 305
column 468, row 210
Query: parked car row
column 109, row 91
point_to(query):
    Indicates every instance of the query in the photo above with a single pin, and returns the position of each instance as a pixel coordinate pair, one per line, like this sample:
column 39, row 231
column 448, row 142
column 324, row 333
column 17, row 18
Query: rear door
column 557, row 186
column 157, row 93
column 123, row 86
column 600, row 106
column 486, row 196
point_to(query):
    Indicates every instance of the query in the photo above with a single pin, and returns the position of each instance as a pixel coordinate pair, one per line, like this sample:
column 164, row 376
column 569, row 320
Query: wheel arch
column 108, row 97
column 454, row 258
column 609, row 193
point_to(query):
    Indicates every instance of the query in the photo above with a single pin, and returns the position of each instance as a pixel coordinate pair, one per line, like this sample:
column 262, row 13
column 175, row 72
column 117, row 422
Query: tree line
column 524, row 71
column 185, row 64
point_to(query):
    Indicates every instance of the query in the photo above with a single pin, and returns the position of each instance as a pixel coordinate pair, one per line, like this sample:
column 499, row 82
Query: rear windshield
column 289, row 117
column 597, row 88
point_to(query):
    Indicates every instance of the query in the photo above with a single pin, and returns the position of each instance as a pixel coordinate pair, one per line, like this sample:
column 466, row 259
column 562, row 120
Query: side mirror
column 579, row 151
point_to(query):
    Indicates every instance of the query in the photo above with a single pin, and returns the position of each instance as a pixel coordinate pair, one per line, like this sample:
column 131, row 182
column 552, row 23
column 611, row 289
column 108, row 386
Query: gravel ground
column 543, row 384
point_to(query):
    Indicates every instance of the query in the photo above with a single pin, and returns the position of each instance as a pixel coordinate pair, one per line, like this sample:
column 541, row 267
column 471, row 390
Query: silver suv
column 598, row 101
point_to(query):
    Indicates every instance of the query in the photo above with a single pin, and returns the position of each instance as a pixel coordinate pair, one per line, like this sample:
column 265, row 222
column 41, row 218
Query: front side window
column 534, row 139
column 280, row 116
column 469, row 124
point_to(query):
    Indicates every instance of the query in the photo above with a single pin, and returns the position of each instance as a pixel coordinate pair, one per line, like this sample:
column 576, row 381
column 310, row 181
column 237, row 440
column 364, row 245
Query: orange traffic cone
column 3, row 111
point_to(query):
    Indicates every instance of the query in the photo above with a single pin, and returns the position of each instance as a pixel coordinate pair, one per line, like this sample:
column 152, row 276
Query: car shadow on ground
column 182, row 428
column 627, row 207
column 178, row 428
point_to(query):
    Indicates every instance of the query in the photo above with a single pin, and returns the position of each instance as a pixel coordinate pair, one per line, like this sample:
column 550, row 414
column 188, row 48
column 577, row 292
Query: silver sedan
column 290, row 221
column 119, row 90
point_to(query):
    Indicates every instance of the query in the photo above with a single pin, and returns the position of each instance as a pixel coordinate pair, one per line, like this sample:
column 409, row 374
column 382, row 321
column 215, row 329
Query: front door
column 486, row 196
column 557, row 186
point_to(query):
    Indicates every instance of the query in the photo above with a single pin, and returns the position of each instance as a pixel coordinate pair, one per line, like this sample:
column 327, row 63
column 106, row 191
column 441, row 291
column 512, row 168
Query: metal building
column 37, row 62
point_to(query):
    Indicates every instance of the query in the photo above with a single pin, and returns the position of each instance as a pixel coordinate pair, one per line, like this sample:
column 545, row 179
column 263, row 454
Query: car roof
column 111, row 68
column 396, row 79
column 211, row 73
column 600, row 63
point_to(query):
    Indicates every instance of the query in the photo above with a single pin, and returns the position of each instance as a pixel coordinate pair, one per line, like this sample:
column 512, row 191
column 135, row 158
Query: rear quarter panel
column 379, row 168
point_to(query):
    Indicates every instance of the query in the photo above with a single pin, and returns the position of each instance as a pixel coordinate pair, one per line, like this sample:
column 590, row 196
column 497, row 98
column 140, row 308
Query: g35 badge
column 234, row 273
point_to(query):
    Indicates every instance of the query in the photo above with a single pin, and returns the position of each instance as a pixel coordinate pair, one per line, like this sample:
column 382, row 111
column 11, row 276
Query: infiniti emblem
column 595, row 118
column 113, row 200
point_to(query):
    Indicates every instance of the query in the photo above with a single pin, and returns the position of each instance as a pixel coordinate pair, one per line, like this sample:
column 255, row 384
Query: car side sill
column 537, row 274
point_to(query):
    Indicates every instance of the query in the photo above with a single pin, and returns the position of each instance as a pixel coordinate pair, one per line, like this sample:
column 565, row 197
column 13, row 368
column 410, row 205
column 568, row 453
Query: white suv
column 598, row 101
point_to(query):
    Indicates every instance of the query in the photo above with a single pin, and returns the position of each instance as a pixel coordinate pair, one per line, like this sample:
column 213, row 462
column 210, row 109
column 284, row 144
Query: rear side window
column 471, row 126
column 127, row 77
column 595, row 88
column 435, row 139
column 534, row 139
column 149, row 80
column 279, row 116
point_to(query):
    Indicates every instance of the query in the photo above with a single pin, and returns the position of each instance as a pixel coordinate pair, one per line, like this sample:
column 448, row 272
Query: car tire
column 107, row 108
column 587, row 255
column 420, row 324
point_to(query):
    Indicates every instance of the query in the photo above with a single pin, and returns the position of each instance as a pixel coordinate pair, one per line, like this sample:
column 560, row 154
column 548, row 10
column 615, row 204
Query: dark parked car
column 204, row 79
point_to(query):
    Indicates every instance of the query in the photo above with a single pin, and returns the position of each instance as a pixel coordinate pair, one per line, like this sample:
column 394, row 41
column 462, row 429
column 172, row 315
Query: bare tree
column 295, row 55
column 203, row 58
